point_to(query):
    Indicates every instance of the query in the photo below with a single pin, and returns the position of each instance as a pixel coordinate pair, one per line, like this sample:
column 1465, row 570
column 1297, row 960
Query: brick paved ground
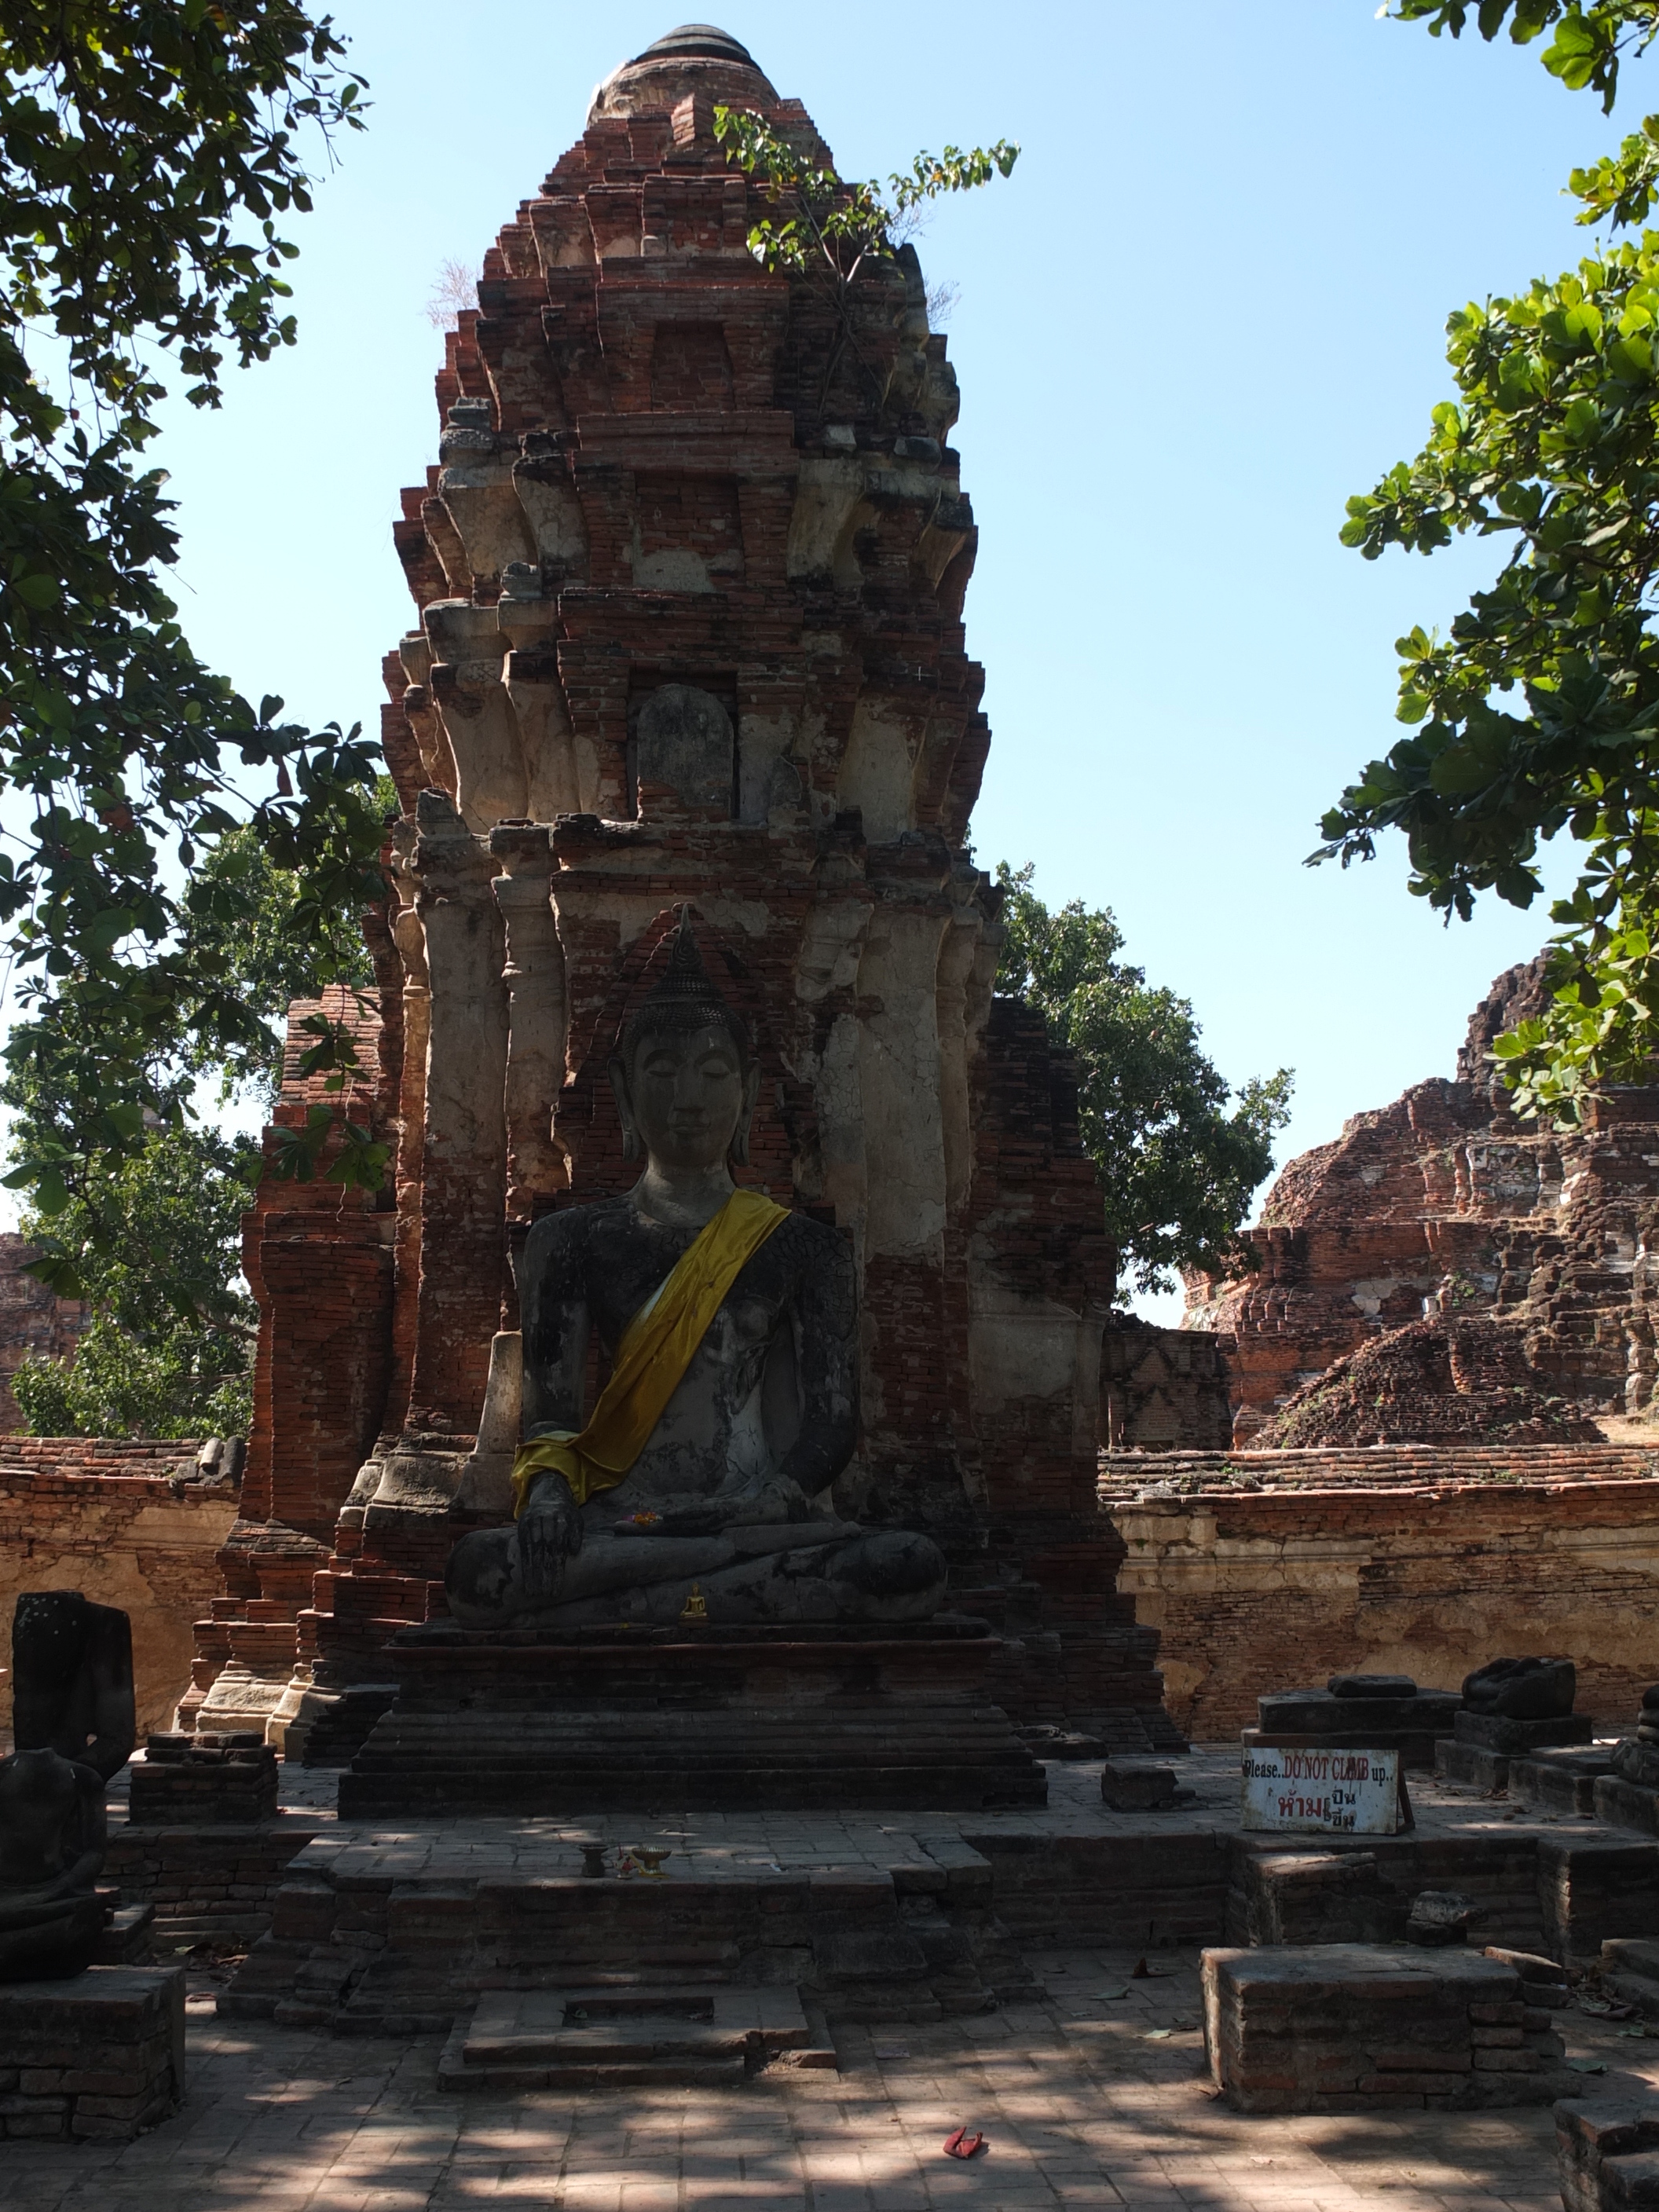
column 1091, row 2098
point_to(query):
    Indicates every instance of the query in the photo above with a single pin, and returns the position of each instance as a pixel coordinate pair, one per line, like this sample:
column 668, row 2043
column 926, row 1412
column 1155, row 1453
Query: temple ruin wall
column 1268, row 1590
column 127, row 1523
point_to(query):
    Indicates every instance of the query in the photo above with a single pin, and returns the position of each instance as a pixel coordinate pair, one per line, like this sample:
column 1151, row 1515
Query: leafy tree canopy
column 169, row 1352
column 1585, row 44
column 249, row 926
column 821, row 222
column 1178, row 1157
column 148, row 150
column 1539, row 713
column 151, row 1235
column 823, row 228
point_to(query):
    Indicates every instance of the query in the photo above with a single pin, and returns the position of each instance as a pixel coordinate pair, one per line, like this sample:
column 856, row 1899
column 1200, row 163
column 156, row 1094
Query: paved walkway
column 1091, row 2098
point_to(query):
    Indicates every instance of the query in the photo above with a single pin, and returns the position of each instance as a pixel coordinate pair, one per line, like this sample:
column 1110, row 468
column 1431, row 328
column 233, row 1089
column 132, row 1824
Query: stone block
column 1607, row 2154
column 1560, row 1780
column 1624, row 1804
column 1499, row 1732
column 1134, row 1786
column 100, row 2054
column 1317, row 1897
column 1471, row 1766
column 208, row 1779
column 1595, row 1888
column 1396, row 2028
column 1631, row 2180
column 1543, row 1984
column 1351, row 1719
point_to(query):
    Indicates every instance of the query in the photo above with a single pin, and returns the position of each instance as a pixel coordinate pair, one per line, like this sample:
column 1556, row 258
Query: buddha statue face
column 686, row 1095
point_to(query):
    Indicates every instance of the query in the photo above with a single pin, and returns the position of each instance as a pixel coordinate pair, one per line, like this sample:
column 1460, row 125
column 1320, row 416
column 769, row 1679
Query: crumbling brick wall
column 127, row 1523
column 1445, row 1202
column 1276, row 1589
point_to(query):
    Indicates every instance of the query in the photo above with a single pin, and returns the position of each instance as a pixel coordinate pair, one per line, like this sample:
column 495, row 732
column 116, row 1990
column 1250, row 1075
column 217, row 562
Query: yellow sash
column 657, row 1347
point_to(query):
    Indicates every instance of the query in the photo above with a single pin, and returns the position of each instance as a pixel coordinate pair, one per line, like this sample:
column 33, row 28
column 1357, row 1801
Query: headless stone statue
column 52, row 1847
column 700, row 1478
column 72, row 1679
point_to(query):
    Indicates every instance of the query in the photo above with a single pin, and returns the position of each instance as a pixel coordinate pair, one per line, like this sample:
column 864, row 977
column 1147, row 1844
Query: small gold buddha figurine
column 697, row 1606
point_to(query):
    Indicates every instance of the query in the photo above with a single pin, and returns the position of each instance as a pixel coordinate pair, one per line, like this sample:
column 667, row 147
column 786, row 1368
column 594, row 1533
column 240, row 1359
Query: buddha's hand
column 548, row 1532
column 762, row 1505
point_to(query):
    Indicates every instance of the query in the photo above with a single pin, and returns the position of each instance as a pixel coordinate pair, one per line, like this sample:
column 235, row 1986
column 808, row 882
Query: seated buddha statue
column 52, row 1847
column 697, row 1486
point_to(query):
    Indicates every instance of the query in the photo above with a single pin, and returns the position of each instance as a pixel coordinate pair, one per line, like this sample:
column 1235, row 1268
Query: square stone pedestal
column 1357, row 2027
column 692, row 1719
column 101, row 2055
column 1411, row 1725
column 186, row 1781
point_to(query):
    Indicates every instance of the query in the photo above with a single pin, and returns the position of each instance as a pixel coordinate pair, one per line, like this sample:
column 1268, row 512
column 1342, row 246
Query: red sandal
column 965, row 2142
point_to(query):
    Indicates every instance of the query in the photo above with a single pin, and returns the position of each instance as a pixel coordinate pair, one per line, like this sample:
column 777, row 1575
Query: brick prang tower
column 688, row 582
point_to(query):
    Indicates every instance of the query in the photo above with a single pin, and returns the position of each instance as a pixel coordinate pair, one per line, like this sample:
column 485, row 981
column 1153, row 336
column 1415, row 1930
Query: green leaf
column 51, row 1194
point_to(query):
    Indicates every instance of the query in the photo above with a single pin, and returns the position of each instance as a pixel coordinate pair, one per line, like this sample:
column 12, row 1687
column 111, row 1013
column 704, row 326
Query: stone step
column 1622, row 1804
column 608, row 2038
column 1630, row 1972
column 1560, row 1781
column 1472, row 1767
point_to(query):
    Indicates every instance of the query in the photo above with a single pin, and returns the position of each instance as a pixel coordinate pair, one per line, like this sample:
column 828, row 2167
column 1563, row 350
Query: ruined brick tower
column 688, row 583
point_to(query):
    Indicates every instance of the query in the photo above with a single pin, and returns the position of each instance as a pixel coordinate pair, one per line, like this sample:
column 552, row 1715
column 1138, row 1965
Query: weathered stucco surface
column 1273, row 1589
column 126, row 1524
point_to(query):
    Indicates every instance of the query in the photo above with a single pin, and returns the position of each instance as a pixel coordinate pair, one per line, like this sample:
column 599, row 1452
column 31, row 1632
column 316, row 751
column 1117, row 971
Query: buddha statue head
column 684, row 1074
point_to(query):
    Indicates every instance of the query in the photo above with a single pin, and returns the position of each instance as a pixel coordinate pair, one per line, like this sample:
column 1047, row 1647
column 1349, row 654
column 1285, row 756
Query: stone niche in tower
column 688, row 585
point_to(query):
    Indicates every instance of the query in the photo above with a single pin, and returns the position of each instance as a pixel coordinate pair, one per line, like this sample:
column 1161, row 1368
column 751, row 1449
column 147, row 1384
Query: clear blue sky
column 1208, row 306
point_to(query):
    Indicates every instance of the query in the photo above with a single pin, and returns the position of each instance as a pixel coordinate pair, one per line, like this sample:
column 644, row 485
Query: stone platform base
column 211, row 1885
column 364, row 1947
column 1352, row 2027
column 693, row 1720
column 610, row 2038
column 99, row 2056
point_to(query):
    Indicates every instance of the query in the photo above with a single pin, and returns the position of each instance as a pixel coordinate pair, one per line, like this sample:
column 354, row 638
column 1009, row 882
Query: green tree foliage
column 118, row 1387
column 1539, row 714
column 822, row 223
column 252, row 928
column 151, row 1235
column 1586, row 45
column 169, row 1352
column 1178, row 1157
column 827, row 230
column 147, row 150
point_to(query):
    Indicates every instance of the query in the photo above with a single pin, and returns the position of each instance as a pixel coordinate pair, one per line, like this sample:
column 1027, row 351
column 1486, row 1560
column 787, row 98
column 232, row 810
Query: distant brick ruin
column 1445, row 1205
column 688, row 582
column 34, row 1323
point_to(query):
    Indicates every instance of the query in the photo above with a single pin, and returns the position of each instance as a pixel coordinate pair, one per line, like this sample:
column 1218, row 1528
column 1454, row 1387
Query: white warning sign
column 1322, row 1793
